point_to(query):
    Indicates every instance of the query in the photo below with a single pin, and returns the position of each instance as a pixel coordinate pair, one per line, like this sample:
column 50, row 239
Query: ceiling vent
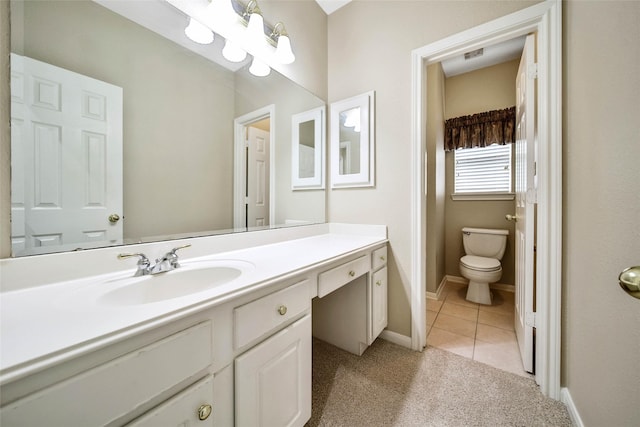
column 473, row 54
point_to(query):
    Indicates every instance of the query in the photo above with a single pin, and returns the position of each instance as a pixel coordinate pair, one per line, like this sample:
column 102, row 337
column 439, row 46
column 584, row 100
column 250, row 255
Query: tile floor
column 479, row 332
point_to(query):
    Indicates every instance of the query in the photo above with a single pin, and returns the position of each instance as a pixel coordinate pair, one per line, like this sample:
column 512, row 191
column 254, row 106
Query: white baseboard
column 438, row 292
column 565, row 397
column 499, row 286
column 396, row 338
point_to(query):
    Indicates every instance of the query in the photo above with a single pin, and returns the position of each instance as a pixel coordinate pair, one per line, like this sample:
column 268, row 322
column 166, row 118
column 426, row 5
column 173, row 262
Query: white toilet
column 484, row 249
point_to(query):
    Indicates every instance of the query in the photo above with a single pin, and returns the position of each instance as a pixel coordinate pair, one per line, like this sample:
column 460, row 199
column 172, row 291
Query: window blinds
column 483, row 170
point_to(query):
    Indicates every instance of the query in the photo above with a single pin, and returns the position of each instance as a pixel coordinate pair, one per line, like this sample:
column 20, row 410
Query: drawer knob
column 282, row 310
column 382, row 258
column 379, row 282
column 203, row 412
column 352, row 273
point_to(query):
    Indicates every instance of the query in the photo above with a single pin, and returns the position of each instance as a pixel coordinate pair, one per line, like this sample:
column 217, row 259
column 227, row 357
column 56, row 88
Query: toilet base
column 479, row 292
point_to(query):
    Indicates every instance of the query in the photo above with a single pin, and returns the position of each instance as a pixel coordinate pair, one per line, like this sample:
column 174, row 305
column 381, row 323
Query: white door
column 525, row 201
column 66, row 144
column 273, row 379
column 257, row 177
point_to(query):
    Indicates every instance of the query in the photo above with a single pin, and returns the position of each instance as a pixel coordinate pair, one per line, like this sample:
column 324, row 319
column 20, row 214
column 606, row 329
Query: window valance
column 480, row 130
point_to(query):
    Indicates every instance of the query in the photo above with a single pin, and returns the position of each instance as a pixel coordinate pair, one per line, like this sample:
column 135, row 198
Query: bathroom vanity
column 115, row 350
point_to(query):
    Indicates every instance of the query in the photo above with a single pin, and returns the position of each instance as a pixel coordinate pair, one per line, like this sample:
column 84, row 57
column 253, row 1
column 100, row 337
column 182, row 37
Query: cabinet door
column 378, row 302
column 273, row 379
column 193, row 407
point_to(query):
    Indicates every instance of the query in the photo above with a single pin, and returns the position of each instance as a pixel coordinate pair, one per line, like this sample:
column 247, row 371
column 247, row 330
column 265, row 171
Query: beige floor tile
column 468, row 313
column 434, row 305
column 505, row 356
column 431, row 317
column 507, row 296
column 499, row 303
column 449, row 341
column 504, row 321
column 456, row 325
column 459, row 297
column 493, row 335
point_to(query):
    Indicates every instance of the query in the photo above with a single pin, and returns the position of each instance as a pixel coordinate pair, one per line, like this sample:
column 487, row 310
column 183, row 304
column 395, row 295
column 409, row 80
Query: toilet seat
column 479, row 263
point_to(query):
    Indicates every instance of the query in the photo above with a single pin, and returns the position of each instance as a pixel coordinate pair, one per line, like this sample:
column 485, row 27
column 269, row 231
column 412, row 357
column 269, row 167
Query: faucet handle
column 143, row 260
column 172, row 257
column 173, row 251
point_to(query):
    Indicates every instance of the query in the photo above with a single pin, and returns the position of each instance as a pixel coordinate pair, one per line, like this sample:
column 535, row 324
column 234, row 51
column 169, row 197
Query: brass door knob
column 282, row 310
column 629, row 280
column 379, row 282
column 513, row 218
column 113, row 218
column 204, row 411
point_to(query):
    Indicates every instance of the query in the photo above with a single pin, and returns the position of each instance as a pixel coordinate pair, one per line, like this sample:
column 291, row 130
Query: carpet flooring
column 390, row 385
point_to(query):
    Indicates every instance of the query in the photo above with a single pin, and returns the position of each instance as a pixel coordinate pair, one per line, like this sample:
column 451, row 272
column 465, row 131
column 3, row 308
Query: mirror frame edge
column 5, row 131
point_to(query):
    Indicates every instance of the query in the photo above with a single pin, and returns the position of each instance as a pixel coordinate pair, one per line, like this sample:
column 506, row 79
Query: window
column 483, row 170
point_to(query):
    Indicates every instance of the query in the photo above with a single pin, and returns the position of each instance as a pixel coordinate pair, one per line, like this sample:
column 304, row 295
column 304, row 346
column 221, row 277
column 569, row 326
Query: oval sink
column 188, row 279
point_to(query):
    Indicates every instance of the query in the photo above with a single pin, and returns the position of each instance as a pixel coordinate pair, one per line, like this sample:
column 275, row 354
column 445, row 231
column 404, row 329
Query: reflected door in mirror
column 66, row 143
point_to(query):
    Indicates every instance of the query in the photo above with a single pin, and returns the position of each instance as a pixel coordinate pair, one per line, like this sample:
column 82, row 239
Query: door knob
column 513, row 218
column 113, row 218
column 629, row 280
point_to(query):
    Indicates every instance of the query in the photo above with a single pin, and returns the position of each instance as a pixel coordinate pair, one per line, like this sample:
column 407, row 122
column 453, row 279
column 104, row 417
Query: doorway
column 462, row 88
column 254, row 153
column 545, row 20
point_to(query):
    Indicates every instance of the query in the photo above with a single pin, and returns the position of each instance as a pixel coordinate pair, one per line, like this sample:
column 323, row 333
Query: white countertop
column 47, row 324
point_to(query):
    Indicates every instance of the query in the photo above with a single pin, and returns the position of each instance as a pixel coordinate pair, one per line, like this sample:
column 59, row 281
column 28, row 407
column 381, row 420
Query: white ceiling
column 492, row 55
column 330, row 6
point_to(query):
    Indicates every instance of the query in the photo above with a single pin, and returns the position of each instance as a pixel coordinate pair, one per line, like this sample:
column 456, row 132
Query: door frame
column 239, row 164
column 546, row 20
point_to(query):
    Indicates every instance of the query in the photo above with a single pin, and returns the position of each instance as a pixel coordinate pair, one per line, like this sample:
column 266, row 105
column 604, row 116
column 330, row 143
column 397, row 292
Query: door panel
column 67, row 166
column 525, row 202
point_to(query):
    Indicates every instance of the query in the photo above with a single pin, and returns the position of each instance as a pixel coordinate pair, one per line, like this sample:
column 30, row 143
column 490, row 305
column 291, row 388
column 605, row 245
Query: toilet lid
column 480, row 263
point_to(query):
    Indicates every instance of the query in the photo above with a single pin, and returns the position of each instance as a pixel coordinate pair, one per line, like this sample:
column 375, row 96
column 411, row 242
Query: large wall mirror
column 123, row 129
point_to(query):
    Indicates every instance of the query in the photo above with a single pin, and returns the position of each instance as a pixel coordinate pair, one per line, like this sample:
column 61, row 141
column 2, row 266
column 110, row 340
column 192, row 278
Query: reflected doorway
column 253, row 180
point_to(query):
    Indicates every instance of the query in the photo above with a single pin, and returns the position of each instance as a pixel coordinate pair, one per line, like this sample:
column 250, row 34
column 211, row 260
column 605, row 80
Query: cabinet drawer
column 267, row 313
column 379, row 258
column 184, row 409
column 105, row 393
column 337, row 277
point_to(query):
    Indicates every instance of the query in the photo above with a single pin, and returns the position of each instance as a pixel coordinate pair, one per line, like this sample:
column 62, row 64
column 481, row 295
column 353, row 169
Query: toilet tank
column 485, row 242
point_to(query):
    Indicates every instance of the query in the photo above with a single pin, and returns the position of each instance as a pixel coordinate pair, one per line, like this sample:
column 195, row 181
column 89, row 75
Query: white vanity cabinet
column 378, row 286
column 351, row 309
column 273, row 379
column 240, row 359
column 109, row 392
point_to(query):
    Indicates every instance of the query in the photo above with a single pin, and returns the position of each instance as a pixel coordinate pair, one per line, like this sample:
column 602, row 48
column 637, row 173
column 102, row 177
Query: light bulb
column 259, row 68
column 198, row 32
column 255, row 31
column 232, row 52
column 284, row 54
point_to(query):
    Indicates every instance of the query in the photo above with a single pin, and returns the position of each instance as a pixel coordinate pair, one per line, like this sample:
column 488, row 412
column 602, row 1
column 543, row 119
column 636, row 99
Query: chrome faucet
column 167, row 263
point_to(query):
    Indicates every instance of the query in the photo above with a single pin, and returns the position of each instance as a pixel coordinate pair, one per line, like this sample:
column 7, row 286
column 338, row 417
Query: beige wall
column 435, row 177
column 365, row 57
column 490, row 88
column 601, row 209
column 306, row 24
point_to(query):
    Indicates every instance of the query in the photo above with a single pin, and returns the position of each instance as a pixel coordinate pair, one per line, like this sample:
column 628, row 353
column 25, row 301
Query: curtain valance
column 480, row 130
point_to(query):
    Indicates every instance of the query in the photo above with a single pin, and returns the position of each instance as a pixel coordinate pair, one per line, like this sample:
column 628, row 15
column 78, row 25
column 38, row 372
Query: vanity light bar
column 244, row 28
